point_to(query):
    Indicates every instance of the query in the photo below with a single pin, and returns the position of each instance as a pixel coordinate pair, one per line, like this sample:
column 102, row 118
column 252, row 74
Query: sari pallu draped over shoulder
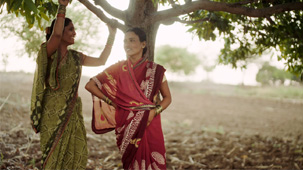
column 134, row 89
column 57, row 110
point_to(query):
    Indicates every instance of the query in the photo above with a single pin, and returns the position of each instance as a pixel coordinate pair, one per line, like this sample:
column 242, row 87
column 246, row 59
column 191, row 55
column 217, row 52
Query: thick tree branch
column 193, row 21
column 245, row 2
column 170, row 21
column 225, row 7
column 99, row 13
column 111, row 10
column 135, row 9
column 172, row 3
column 270, row 20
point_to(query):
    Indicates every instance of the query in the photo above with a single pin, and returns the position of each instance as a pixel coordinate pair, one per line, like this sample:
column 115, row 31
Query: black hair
column 50, row 29
column 141, row 34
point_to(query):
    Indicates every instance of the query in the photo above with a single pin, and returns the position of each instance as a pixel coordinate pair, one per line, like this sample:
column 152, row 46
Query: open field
column 207, row 126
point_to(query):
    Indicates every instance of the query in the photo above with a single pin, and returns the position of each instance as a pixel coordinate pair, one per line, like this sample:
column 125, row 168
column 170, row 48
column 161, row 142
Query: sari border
column 136, row 128
column 95, row 79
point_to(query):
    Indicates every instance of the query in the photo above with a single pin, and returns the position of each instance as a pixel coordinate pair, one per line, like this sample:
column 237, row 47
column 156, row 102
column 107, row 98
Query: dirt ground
column 210, row 130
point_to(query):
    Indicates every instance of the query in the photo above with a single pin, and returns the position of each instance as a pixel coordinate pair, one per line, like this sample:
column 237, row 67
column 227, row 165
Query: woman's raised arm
column 93, row 61
column 55, row 39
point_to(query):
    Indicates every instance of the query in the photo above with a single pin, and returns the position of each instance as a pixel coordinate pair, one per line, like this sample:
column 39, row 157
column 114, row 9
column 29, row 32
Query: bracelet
column 110, row 40
column 61, row 9
column 107, row 100
column 159, row 109
column 61, row 15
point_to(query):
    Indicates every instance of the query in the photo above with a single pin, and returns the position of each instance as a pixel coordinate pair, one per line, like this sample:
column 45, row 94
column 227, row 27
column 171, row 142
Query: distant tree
column 208, row 66
column 249, row 27
column 270, row 75
column 176, row 59
column 4, row 61
column 208, row 69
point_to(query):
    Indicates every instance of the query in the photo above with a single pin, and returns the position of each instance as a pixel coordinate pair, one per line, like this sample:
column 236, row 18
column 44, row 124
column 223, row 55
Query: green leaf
column 16, row 5
column 44, row 16
column 29, row 5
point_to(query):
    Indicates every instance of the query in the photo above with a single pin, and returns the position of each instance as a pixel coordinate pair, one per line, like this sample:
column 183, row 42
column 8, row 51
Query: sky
column 174, row 35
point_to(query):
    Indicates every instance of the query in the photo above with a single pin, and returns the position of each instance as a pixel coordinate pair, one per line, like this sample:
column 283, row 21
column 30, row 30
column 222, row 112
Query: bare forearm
column 165, row 92
column 92, row 88
column 104, row 55
column 165, row 102
column 108, row 48
column 59, row 23
column 57, row 32
column 101, row 60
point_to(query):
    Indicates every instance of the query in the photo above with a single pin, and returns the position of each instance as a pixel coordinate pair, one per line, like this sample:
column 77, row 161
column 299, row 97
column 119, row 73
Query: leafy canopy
column 32, row 11
column 249, row 27
column 87, row 36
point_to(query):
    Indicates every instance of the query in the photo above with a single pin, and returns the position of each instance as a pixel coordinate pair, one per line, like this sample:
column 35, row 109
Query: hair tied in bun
column 47, row 30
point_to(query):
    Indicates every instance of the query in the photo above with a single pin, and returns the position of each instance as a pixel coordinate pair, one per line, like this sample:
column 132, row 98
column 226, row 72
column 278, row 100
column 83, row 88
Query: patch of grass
column 202, row 88
column 219, row 130
column 289, row 92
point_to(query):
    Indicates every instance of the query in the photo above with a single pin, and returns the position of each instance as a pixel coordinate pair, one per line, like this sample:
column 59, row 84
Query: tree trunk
column 151, row 32
column 138, row 15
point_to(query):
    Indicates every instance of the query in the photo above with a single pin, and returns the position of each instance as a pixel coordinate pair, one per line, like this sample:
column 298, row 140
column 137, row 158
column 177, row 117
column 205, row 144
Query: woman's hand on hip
column 151, row 116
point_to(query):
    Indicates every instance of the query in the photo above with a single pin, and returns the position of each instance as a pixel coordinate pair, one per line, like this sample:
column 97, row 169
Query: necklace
column 63, row 59
column 64, row 56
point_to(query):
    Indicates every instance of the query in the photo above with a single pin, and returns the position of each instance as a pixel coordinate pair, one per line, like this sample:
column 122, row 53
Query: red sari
column 134, row 89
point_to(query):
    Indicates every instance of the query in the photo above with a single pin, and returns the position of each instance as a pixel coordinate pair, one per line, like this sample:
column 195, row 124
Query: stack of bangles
column 107, row 100
column 61, row 11
column 158, row 109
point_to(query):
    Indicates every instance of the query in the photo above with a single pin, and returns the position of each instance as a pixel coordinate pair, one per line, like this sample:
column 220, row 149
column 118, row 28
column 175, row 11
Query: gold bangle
column 159, row 109
column 107, row 100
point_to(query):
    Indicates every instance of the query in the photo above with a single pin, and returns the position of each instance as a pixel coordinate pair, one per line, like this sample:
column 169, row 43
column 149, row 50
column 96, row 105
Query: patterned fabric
column 134, row 89
column 61, row 126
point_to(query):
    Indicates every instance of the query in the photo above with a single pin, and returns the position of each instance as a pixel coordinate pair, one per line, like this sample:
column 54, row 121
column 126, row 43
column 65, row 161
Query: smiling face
column 69, row 34
column 132, row 45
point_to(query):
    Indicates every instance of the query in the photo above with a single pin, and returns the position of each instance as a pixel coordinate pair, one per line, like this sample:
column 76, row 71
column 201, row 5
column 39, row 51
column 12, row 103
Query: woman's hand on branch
column 112, row 30
column 112, row 27
column 63, row 2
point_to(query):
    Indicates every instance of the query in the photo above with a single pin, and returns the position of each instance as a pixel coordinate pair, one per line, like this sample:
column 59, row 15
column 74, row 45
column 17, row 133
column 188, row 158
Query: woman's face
column 69, row 34
column 132, row 45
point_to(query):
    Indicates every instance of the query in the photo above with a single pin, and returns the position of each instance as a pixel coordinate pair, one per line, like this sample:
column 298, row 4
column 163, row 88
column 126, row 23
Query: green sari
column 57, row 111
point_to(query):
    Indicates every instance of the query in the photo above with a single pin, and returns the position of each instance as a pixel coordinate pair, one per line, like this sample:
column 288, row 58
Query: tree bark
column 137, row 15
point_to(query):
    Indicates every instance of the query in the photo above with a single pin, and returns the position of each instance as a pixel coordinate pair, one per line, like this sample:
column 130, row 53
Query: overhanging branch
column 245, row 2
column 110, row 9
column 172, row 3
column 176, row 19
column 225, row 7
column 99, row 13
column 193, row 21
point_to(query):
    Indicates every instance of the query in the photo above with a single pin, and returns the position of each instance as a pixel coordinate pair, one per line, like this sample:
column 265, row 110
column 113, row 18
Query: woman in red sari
column 133, row 88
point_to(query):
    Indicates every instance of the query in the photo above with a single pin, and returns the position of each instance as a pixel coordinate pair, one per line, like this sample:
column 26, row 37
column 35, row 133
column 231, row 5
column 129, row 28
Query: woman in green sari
column 56, row 109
